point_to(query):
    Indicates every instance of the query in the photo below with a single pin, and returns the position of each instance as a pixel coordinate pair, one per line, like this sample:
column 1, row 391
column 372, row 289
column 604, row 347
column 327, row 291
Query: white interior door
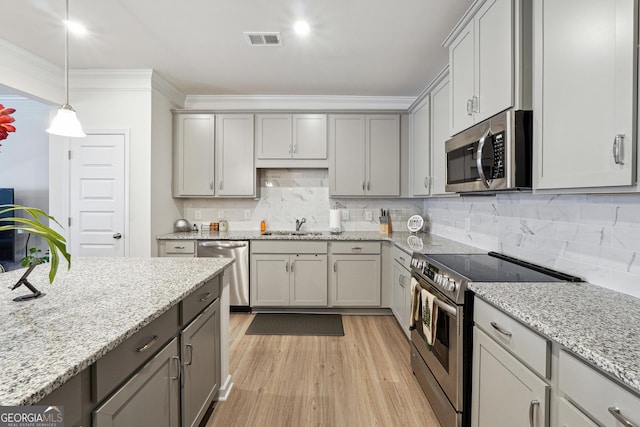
column 97, row 195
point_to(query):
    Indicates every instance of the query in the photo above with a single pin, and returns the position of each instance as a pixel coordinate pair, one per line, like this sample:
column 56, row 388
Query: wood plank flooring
column 361, row 379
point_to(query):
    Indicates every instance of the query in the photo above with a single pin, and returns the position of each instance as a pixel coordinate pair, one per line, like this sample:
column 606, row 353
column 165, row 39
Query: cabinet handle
column 289, row 148
column 220, row 185
column 368, row 185
column 500, row 329
column 178, row 367
column 363, row 184
column 400, row 280
column 178, row 247
column 205, row 297
column 211, row 185
column 617, row 148
column 532, row 405
column 148, row 345
column 295, row 148
column 291, row 267
column 190, row 347
column 401, row 258
column 475, row 104
column 620, row 418
column 286, row 267
column 426, row 182
column 469, row 107
column 356, row 248
column 335, row 268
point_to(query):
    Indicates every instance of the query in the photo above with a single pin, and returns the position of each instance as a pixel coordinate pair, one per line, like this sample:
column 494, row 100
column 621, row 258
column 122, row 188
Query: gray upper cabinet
column 365, row 155
column 439, row 135
column 420, row 149
column 213, row 155
column 194, row 155
column 584, row 94
column 291, row 140
column 489, row 65
column 235, row 170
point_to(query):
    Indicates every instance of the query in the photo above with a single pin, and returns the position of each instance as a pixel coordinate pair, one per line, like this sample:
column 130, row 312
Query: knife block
column 386, row 228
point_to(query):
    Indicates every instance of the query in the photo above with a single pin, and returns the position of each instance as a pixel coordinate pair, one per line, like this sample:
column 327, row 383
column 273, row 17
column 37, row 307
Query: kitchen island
column 87, row 312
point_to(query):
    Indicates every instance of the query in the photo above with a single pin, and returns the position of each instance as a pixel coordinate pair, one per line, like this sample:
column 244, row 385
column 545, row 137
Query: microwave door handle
column 479, row 158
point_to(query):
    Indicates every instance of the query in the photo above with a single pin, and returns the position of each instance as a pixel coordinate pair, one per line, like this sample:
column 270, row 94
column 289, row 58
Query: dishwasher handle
column 221, row 244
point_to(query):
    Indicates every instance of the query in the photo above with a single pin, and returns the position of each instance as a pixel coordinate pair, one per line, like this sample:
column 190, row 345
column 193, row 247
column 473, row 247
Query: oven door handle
column 479, row 157
column 446, row 307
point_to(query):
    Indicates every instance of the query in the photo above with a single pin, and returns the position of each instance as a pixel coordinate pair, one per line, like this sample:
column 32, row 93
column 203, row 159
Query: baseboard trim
column 225, row 390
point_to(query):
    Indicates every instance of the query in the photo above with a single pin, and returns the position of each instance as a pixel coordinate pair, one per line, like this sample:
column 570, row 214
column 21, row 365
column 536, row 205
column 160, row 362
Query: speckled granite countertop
column 422, row 242
column 600, row 325
column 86, row 312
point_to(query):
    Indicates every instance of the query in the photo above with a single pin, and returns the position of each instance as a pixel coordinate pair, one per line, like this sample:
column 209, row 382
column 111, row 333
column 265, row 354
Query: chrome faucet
column 299, row 223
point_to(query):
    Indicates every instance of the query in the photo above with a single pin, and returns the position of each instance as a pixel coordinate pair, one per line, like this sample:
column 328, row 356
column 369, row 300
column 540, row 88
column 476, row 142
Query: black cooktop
column 496, row 267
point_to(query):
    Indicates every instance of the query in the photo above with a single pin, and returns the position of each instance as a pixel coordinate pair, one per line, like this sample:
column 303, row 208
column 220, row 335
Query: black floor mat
column 296, row 324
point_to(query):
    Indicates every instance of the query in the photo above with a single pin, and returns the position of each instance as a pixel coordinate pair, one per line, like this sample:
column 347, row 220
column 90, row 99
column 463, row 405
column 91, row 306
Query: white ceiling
column 356, row 47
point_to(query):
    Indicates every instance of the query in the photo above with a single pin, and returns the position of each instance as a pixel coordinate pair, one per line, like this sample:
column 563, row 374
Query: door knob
column 117, row 236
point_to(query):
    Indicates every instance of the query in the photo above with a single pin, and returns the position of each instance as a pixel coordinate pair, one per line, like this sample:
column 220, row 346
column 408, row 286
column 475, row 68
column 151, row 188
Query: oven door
column 444, row 360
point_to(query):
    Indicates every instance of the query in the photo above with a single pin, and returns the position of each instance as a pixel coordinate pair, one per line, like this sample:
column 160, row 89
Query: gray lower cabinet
column 199, row 352
column 150, row 398
column 355, row 274
column 504, row 388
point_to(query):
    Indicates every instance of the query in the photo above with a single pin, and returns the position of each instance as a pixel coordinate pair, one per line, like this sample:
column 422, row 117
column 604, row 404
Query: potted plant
column 34, row 225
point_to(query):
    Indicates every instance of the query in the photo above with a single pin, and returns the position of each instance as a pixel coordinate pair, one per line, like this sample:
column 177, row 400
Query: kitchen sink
column 291, row 233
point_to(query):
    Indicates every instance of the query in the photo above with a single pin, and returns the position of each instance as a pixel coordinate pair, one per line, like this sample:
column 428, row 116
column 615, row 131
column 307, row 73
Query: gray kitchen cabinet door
column 584, row 106
column 235, row 171
column 420, row 149
column 308, row 280
column 355, row 281
column 150, row 398
column 347, row 145
column 274, row 137
column 462, row 72
column 200, row 349
column 269, row 280
column 504, row 388
column 194, row 155
column 309, row 136
column 439, row 135
column 383, row 155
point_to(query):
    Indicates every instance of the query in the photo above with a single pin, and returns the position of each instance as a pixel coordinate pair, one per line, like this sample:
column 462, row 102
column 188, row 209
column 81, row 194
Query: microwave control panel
column 498, row 155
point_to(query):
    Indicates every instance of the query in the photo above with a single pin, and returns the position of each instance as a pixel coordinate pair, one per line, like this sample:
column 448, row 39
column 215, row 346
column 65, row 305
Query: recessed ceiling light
column 76, row 28
column 301, row 28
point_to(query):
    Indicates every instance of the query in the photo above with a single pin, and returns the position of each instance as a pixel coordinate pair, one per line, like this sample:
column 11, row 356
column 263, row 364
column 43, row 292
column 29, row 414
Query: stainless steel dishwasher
column 237, row 274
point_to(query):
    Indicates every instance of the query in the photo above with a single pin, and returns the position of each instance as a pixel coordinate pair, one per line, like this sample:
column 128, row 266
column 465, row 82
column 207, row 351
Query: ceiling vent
column 263, row 39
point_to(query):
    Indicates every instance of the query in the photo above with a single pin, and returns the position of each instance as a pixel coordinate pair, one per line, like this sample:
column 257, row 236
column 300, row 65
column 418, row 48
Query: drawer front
column 530, row 347
column 180, row 247
column 401, row 257
column 115, row 366
column 199, row 300
column 355, row 247
column 68, row 395
column 595, row 393
column 288, row 247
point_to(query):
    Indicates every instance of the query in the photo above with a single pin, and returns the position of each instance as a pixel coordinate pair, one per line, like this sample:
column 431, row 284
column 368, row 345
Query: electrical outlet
column 247, row 214
column 198, row 214
column 467, row 224
column 220, row 214
column 345, row 214
column 368, row 215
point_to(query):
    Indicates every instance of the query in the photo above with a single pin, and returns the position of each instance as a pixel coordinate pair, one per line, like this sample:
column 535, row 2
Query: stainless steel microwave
column 492, row 155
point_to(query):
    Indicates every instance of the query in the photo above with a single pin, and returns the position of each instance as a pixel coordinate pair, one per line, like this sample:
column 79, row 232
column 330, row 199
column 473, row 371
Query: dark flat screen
column 485, row 268
column 7, row 238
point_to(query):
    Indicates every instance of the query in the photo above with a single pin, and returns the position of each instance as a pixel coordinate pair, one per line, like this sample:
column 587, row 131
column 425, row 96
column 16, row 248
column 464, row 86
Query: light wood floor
column 361, row 379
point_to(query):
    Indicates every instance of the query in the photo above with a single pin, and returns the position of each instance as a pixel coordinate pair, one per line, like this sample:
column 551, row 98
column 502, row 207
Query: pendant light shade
column 66, row 122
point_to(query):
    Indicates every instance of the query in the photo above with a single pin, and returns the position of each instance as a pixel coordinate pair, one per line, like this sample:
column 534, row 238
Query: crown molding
column 163, row 86
column 297, row 102
column 99, row 79
column 436, row 81
column 462, row 23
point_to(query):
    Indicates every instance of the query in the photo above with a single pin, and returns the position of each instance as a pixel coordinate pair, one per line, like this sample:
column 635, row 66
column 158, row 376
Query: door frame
column 60, row 181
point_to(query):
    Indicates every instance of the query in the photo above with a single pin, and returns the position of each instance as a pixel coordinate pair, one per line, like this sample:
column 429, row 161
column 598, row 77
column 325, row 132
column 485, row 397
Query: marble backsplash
column 596, row 237
column 288, row 194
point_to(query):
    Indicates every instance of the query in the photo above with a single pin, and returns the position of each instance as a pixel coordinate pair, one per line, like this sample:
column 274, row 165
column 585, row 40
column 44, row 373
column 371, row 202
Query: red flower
column 5, row 120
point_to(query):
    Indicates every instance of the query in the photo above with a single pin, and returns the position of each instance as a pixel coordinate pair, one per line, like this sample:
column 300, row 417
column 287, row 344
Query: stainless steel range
column 444, row 370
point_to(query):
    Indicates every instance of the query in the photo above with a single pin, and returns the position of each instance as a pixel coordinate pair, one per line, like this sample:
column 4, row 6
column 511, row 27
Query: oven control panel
column 432, row 272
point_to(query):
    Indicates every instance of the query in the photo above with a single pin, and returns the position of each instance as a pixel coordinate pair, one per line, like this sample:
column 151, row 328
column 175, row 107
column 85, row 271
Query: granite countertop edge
column 571, row 327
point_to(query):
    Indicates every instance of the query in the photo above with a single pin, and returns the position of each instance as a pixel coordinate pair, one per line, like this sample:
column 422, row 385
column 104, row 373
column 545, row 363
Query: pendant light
column 66, row 123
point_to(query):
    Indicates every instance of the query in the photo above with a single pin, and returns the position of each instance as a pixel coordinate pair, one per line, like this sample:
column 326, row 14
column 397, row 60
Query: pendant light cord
column 66, row 54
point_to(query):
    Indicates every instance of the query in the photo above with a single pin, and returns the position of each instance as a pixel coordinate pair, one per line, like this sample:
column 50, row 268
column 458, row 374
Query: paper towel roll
column 335, row 218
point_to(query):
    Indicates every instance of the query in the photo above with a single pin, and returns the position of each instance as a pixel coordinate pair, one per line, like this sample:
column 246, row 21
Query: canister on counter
column 214, row 226
column 224, row 225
